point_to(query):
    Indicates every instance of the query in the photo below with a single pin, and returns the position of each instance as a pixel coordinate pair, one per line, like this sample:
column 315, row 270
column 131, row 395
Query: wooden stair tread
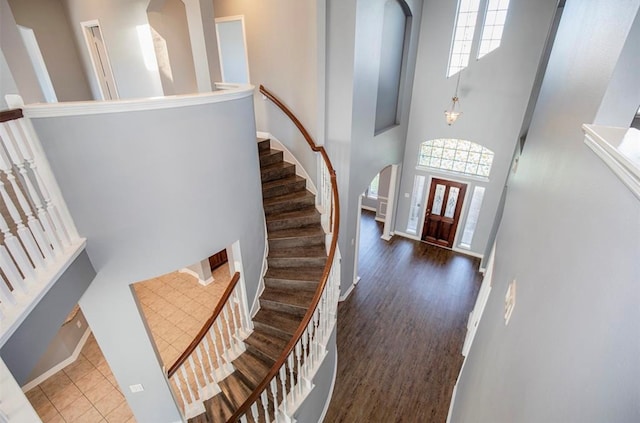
column 235, row 389
column 285, row 322
column 295, row 273
column 304, row 231
column 287, row 296
column 218, row 408
column 270, row 346
column 252, row 368
column 304, row 212
column 288, row 197
column 283, row 181
column 309, row 251
column 277, row 165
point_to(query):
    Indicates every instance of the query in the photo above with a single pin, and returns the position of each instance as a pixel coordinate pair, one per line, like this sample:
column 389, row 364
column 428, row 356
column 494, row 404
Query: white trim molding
column 224, row 92
column 64, row 363
column 619, row 149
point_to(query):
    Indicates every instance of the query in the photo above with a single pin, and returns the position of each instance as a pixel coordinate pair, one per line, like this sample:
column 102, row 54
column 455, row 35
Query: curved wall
column 154, row 191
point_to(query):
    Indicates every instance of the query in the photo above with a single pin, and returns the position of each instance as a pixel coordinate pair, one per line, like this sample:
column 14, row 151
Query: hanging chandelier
column 453, row 113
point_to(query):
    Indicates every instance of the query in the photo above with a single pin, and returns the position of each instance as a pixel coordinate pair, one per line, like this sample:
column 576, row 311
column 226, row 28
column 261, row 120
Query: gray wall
column 494, row 92
column 354, row 32
column 119, row 20
column 282, row 47
column 23, row 349
column 61, row 347
column 171, row 23
column 49, row 22
column 155, row 191
column 569, row 235
column 15, row 53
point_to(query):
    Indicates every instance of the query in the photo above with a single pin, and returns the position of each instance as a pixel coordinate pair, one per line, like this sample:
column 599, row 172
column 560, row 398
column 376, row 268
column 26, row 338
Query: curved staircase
column 296, row 260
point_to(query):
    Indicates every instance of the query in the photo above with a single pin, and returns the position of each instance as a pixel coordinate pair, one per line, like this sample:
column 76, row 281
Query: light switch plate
column 136, row 388
column 509, row 301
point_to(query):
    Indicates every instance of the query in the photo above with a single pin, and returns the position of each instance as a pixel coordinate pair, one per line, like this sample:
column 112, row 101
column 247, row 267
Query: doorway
column 232, row 49
column 444, row 207
column 100, row 60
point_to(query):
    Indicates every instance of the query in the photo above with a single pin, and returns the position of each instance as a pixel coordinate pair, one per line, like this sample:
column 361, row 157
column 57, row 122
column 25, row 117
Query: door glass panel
column 451, row 202
column 438, row 199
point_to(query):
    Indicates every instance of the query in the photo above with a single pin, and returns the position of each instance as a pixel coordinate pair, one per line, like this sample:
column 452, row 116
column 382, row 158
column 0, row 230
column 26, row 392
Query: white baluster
column 212, row 333
column 201, row 361
column 316, row 337
column 243, row 419
column 26, row 236
column 13, row 244
column 224, row 344
column 292, row 381
column 305, row 346
column 234, row 304
column 6, row 296
column 10, row 271
column 274, row 396
column 254, row 412
column 192, row 367
column 205, row 343
column 264, row 397
column 298, row 351
column 192, row 397
column 225, row 313
column 180, row 390
column 283, row 380
column 47, row 217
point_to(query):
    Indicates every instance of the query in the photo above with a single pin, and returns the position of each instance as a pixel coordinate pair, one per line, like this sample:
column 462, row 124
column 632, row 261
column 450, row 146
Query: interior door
column 443, row 212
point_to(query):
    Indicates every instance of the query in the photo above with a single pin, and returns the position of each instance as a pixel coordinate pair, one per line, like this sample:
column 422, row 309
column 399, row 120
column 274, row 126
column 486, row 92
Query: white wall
column 171, row 23
column 17, row 59
column 494, row 92
column 118, row 22
column 7, row 84
column 49, row 22
column 569, row 236
column 282, row 47
column 354, row 31
column 155, row 191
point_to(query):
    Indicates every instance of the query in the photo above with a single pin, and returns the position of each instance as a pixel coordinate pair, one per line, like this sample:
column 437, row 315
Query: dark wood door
column 443, row 212
column 218, row 259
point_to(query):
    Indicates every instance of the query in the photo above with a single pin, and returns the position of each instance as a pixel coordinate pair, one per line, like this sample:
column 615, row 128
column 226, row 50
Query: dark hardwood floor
column 401, row 331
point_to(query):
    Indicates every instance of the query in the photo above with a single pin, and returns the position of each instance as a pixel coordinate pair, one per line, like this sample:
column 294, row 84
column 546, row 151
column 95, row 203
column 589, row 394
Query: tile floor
column 87, row 392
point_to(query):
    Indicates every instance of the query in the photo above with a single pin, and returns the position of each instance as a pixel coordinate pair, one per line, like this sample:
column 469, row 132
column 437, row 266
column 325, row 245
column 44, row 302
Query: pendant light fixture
column 453, row 113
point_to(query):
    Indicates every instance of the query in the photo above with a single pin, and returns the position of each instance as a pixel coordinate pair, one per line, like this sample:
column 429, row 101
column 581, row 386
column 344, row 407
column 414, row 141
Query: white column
column 202, row 34
column 391, row 203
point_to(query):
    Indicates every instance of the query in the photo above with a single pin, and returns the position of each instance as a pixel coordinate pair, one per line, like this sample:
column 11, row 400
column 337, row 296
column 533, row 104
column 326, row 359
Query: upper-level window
column 465, row 37
column 494, row 20
column 453, row 155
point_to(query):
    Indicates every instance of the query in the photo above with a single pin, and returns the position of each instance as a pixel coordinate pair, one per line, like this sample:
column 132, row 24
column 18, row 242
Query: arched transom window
column 460, row 156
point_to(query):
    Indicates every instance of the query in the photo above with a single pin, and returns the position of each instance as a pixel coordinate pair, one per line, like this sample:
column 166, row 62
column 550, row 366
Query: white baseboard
column 55, row 369
column 379, row 219
column 468, row 253
column 195, row 275
column 406, row 235
column 333, row 384
column 346, row 294
column 373, row 209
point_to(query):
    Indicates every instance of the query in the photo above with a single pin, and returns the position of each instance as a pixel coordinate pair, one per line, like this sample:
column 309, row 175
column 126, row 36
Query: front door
column 443, row 212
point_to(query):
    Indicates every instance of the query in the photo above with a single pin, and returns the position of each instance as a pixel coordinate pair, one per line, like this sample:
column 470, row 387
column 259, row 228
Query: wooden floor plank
column 401, row 331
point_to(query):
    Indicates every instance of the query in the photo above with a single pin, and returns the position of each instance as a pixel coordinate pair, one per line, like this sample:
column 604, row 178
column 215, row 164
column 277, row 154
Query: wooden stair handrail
column 207, row 325
column 11, row 114
column 244, row 408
